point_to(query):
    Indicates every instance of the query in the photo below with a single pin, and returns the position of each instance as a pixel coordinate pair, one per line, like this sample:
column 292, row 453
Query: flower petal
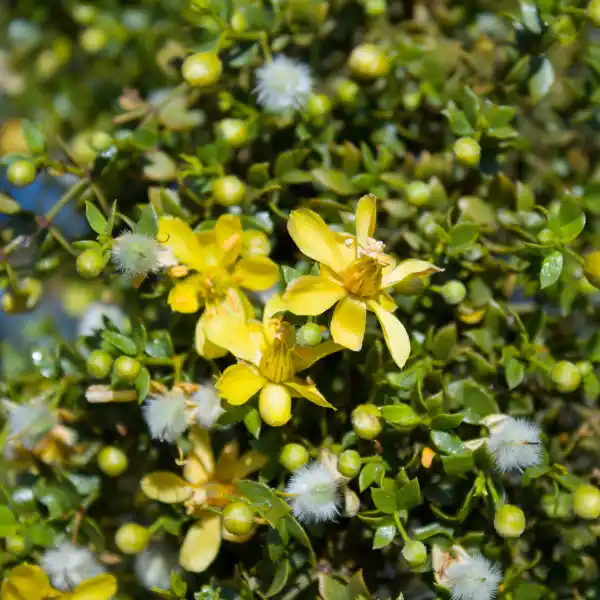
column 204, row 347
column 366, row 215
column 314, row 238
column 349, row 323
column 395, row 334
column 309, row 391
column 179, row 237
column 101, row 587
column 227, row 462
column 386, row 301
column 250, row 462
column 239, row 337
column 306, row 356
column 26, row 582
column 312, row 295
column 239, row 383
column 201, row 448
column 256, row 273
column 274, row 305
column 183, row 298
column 201, row 544
column 229, row 238
column 166, row 487
column 408, row 268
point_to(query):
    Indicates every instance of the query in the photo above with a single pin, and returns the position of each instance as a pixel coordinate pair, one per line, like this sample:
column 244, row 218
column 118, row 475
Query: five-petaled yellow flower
column 269, row 362
column 218, row 274
column 355, row 273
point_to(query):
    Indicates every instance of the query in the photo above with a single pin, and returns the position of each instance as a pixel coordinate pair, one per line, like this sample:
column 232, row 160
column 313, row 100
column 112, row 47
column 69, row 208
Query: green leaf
column 8, row 206
column 402, row 415
column 459, row 123
column 567, row 222
column 145, row 138
column 282, row 572
column 142, row 384
column 531, row 17
column 551, row 269
column 470, row 105
column 384, row 500
column 289, row 274
column 264, row 501
column 448, row 443
column 528, row 590
column 458, row 464
column 444, row 342
column 371, row 473
column 253, row 422
column 297, row 532
column 121, row 342
column 474, row 400
column 330, row 589
column 463, row 235
column 409, row 495
column 95, row 218
column 384, row 535
column 8, row 522
column 148, row 222
column 333, row 180
column 446, row 421
column 514, row 373
column 36, row 141
column 541, row 82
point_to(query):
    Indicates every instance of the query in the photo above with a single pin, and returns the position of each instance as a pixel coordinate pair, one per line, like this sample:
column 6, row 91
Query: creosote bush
column 300, row 300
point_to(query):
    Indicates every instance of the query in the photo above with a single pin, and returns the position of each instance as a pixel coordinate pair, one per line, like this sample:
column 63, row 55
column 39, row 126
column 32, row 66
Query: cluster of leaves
column 213, row 221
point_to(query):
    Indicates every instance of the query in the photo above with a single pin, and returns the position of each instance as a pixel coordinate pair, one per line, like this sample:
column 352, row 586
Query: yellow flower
column 269, row 361
column 206, row 484
column 355, row 274
column 30, row 582
column 218, row 273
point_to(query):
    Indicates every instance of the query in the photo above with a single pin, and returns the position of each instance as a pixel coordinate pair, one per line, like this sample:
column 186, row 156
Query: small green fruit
column 101, row 141
column 93, row 40
column 238, row 518
column 99, row 364
column 349, row 463
column 309, row 335
column 414, row 553
column 509, row 521
column 21, row 173
column 318, row 106
column 417, row 193
column 233, row 132
column 586, row 502
column 293, row 456
column 229, row 190
column 366, row 422
column 453, row 292
column 566, row 376
column 112, row 461
column 467, row 151
column 347, row 92
column 369, row 61
column 127, row 368
column 593, row 12
column 90, row 263
column 202, row 69
column 15, row 544
column 131, row 538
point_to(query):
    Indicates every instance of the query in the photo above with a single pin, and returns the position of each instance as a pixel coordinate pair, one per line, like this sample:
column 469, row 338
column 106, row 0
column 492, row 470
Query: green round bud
column 376, row 8
column 318, row 106
column 99, row 364
column 90, row 263
column 467, row 151
column 238, row 518
column 112, row 461
column 84, row 13
column 593, row 12
column 233, row 132
column 545, row 236
column 93, row 40
column 584, row 367
column 228, row 190
column 411, row 286
column 349, row 463
column 566, row 376
column 132, row 538
column 101, row 141
column 202, row 69
column 15, row 544
column 369, row 61
column 453, row 292
column 21, row 173
column 591, row 268
column 586, row 501
column 309, row 335
column 414, row 553
column 347, row 92
column 509, row 521
column 365, row 421
column 417, row 193
column 127, row 368
column 293, row 456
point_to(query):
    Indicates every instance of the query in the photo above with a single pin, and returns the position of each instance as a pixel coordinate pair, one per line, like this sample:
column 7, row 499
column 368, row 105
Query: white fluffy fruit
column 473, row 577
column 68, row 565
column 166, row 416
column 515, row 444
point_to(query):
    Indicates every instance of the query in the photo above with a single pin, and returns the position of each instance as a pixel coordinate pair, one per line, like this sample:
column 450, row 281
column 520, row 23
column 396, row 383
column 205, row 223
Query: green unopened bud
column 545, row 236
column 349, row 463
column 467, row 151
column 454, row 292
column 584, row 367
column 93, row 40
column 566, row 376
column 229, row 190
column 112, row 461
column 591, row 268
column 21, row 173
column 509, row 521
column 414, row 553
column 375, row 8
column 347, row 92
column 369, row 61
column 238, row 518
column 309, row 335
column 127, row 368
column 15, row 544
column 233, row 132
column 202, row 69
column 99, row 364
column 366, row 422
column 586, row 502
column 293, row 456
column 318, row 106
column 131, row 538
column 90, row 263
column 417, row 193
column 101, row 141
column 593, row 12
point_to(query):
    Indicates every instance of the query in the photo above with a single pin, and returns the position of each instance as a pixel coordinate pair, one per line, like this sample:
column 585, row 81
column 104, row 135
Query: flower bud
column 566, row 376
column 369, row 61
column 127, row 368
column 586, row 502
column 347, row 92
column 309, row 335
column 417, row 193
column 584, row 367
column 591, row 268
column 365, row 421
column 349, row 463
column 99, row 364
column 21, row 173
column 15, row 544
column 293, row 456
column 131, row 538
column 101, row 141
column 454, row 292
column 233, row 132
column 593, row 12
column 545, row 236
column 112, row 461
column 229, row 190
column 93, row 40
column 509, row 521
column 90, row 263
column 238, row 518
column 467, row 151
column 275, row 405
column 414, row 553
column 202, row 69
column 318, row 107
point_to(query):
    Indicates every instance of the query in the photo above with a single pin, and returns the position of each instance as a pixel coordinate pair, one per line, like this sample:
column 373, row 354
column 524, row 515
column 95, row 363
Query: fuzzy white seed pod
column 93, row 319
column 166, row 416
column 136, row 254
column 207, row 404
column 68, row 565
column 28, row 423
column 515, row 444
column 283, row 85
column 314, row 493
column 473, row 577
column 153, row 567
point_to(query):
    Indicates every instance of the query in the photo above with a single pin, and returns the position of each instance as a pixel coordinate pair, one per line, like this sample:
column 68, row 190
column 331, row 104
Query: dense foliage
column 299, row 299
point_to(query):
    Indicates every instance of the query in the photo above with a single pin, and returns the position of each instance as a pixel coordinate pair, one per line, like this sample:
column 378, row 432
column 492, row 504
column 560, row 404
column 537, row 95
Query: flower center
column 277, row 361
column 363, row 277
